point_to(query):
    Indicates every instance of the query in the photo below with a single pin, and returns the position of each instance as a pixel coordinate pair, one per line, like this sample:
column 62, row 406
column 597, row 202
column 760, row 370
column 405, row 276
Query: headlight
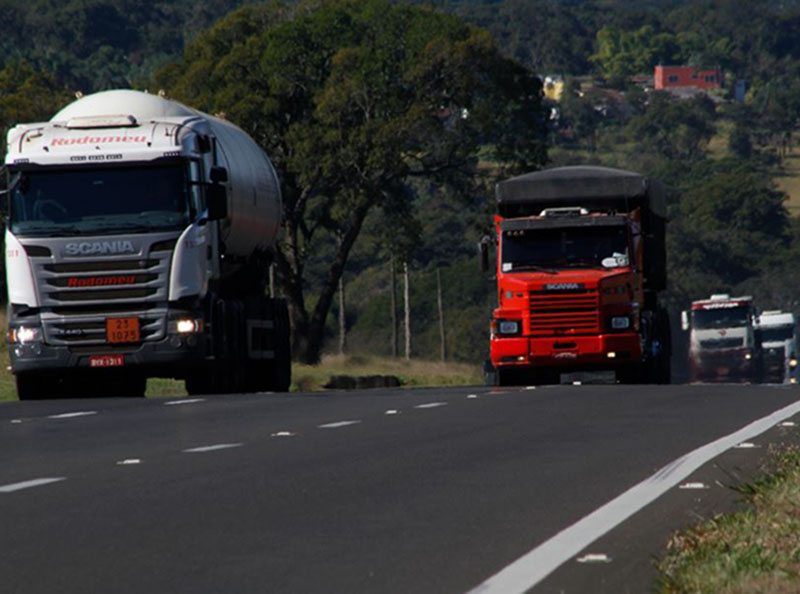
column 748, row 356
column 24, row 335
column 620, row 322
column 188, row 326
column 508, row 327
column 792, row 362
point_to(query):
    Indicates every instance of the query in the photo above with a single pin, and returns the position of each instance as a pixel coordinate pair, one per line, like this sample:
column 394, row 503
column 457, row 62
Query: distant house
column 676, row 77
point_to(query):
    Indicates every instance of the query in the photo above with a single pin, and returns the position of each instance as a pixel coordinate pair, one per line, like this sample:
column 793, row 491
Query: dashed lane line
column 72, row 415
column 431, row 405
column 31, row 483
column 212, row 448
column 338, row 424
column 184, row 401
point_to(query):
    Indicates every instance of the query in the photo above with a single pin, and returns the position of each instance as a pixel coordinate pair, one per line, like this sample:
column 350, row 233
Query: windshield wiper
column 522, row 267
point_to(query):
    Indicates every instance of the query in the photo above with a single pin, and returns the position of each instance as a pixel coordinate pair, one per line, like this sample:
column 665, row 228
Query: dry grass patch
column 753, row 551
column 413, row 373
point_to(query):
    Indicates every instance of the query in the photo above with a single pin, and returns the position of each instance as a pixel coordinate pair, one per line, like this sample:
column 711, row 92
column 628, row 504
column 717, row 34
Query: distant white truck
column 778, row 334
column 723, row 345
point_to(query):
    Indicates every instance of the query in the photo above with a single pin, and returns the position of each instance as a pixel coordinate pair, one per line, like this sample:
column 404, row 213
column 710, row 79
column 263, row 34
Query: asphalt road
column 376, row 491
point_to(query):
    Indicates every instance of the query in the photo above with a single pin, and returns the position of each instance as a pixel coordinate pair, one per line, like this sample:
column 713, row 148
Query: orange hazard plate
column 122, row 330
column 106, row 361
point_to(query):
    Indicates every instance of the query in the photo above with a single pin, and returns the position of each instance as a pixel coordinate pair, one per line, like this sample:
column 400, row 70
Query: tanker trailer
column 139, row 234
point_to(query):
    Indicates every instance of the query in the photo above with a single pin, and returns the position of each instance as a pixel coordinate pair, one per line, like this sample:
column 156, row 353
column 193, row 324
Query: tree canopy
column 353, row 101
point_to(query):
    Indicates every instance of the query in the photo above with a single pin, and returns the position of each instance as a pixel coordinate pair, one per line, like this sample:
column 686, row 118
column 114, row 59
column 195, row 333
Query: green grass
column 753, row 551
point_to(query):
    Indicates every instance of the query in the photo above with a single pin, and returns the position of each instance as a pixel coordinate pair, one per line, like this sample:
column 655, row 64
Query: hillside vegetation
column 731, row 168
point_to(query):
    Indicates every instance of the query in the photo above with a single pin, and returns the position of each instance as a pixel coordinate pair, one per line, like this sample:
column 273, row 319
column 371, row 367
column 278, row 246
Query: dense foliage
column 340, row 94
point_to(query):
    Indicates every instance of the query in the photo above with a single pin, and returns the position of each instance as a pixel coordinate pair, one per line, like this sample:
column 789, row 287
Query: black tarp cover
column 580, row 186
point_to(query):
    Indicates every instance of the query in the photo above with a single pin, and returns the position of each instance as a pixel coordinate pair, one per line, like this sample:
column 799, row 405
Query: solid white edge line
column 31, row 483
column 337, row 424
column 537, row 564
column 213, row 448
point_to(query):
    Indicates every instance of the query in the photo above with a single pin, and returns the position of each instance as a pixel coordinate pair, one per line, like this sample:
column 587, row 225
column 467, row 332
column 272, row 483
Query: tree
column 352, row 100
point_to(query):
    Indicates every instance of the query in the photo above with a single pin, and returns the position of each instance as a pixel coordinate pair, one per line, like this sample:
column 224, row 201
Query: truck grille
column 565, row 312
column 104, row 281
column 722, row 343
column 85, row 330
column 77, row 297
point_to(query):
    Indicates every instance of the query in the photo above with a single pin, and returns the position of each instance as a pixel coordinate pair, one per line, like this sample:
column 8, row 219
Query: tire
column 280, row 368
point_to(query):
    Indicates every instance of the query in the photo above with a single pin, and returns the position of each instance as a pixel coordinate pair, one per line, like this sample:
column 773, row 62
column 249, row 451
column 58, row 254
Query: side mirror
column 218, row 175
column 216, row 202
column 684, row 320
column 483, row 253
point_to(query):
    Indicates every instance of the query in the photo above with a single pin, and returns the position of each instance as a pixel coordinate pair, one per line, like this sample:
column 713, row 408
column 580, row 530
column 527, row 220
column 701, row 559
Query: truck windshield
column 777, row 334
column 572, row 247
column 99, row 201
column 727, row 317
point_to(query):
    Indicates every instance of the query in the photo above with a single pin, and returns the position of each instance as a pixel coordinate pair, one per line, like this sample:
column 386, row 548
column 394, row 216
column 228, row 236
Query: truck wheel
column 281, row 366
column 32, row 387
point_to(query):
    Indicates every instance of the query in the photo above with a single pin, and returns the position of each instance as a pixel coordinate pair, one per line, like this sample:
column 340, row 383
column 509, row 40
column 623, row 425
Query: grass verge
column 753, row 551
column 412, row 373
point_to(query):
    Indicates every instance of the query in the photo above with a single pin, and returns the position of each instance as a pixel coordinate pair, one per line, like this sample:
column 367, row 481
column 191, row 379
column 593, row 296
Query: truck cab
column 777, row 332
column 580, row 260
column 723, row 343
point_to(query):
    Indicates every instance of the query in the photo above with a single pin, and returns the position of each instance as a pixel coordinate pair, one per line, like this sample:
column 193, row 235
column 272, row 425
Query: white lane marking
column 577, row 383
column 594, row 558
column 745, row 445
column 431, row 405
column 184, row 401
column 392, row 411
column 530, row 387
column 337, row 424
column 129, row 461
column 472, row 396
column 784, row 424
column 527, row 571
column 282, row 434
column 72, row 415
column 213, row 448
column 694, row 486
column 28, row 484
column 16, row 421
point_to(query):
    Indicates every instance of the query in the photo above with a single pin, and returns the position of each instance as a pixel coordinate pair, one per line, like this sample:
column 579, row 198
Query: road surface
column 387, row 491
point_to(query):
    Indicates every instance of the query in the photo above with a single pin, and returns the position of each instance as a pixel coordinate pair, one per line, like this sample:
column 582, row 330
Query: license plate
column 122, row 330
column 106, row 361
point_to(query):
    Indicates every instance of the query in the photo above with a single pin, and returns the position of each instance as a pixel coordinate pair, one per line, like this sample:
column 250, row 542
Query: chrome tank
column 254, row 196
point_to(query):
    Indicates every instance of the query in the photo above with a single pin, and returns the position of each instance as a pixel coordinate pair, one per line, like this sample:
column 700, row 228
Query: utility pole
column 441, row 313
column 407, row 300
column 342, row 326
column 393, row 289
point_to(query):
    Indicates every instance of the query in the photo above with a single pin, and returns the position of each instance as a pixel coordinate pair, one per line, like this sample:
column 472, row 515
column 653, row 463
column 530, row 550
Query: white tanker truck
column 138, row 238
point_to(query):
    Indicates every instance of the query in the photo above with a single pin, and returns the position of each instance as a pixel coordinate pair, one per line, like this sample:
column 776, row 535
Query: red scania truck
column 580, row 262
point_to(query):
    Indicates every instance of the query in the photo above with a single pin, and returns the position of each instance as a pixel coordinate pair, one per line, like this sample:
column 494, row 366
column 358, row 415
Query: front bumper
column 603, row 351
column 722, row 366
